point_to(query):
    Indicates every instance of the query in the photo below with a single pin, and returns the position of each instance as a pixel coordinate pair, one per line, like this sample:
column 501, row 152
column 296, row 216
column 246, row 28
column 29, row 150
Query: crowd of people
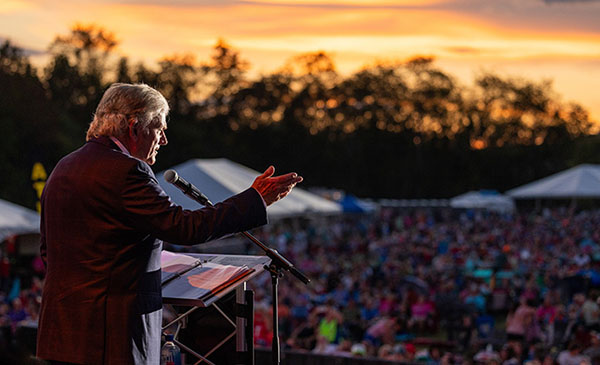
column 439, row 286
column 20, row 299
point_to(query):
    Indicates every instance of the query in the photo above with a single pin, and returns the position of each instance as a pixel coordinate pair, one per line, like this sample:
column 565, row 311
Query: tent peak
column 581, row 181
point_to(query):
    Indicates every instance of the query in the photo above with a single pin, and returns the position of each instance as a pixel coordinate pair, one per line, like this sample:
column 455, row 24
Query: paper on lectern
column 185, row 277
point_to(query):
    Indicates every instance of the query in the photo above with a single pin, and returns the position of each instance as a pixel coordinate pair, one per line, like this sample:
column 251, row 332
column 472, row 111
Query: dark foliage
column 392, row 130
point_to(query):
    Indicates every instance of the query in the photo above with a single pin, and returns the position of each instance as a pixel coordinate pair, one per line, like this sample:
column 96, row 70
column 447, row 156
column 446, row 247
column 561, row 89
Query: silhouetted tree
column 396, row 129
column 123, row 71
column 77, row 76
column 522, row 112
column 224, row 74
column 28, row 125
column 177, row 80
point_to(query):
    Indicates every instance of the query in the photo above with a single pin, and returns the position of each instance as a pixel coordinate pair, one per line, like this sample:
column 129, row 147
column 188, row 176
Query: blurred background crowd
column 441, row 286
column 436, row 285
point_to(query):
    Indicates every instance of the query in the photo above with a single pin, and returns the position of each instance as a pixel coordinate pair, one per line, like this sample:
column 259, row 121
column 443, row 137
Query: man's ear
column 132, row 130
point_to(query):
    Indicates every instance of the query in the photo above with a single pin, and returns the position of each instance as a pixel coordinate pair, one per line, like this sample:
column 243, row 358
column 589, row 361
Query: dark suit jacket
column 103, row 216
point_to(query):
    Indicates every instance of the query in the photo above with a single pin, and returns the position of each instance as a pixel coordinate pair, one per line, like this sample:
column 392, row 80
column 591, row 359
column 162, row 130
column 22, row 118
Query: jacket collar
column 106, row 141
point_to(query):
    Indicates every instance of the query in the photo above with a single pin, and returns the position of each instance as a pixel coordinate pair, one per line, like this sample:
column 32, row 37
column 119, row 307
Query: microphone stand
column 275, row 268
column 278, row 264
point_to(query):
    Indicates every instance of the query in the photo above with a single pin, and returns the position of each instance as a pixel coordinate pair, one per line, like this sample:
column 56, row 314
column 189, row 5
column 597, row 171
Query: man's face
column 148, row 142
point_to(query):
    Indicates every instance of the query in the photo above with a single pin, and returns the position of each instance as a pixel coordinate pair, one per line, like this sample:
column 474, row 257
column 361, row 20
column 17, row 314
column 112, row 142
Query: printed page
column 173, row 264
column 205, row 281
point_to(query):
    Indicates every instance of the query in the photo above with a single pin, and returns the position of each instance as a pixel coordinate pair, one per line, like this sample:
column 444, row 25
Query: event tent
column 483, row 199
column 220, row 178
column 15, row 219
column 582, row 181
column 352, row 204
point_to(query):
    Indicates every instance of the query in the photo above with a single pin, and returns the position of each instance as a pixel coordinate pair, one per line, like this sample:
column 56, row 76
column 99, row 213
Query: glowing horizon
column 530, row 38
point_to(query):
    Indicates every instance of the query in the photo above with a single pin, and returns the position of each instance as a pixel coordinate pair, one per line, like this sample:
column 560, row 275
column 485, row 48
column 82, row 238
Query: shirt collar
column 120, row 145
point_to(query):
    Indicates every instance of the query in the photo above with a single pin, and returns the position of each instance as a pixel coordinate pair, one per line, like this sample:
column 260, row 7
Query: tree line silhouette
column 397, row 130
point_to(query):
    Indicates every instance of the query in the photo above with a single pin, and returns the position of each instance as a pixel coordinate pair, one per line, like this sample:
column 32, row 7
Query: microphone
column 276, row 258
column 187, row 188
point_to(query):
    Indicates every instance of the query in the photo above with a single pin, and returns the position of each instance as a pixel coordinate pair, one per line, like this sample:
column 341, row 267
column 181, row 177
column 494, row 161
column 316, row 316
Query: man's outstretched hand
column 272, row 188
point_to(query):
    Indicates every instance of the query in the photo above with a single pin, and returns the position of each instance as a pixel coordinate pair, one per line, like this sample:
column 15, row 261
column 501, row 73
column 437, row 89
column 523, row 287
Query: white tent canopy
column 220, row 178
column 15, row 219
column 483, row 199
column 582, row 181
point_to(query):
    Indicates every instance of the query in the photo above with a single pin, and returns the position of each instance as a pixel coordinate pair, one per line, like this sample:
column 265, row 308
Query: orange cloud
column 13, row 6
column 356, row 32
column 349, row 3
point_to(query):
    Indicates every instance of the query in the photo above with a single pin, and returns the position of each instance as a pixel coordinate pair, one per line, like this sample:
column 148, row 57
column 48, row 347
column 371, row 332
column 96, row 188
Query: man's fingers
column 290, row 178
column 286, row 190
column 268, row 172
column 273, row 188
column 294, row 178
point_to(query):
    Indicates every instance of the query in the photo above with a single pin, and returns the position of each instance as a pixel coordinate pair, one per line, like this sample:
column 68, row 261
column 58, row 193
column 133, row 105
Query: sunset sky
column 535, row 39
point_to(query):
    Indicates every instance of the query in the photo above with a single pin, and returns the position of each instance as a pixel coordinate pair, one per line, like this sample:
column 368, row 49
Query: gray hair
column 122, row 102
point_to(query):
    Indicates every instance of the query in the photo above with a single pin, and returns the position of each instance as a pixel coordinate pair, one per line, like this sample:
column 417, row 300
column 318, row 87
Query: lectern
column 214, row 321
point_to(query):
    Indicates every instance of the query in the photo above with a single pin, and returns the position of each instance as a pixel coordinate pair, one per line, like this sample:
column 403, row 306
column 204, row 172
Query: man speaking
column 104, row 217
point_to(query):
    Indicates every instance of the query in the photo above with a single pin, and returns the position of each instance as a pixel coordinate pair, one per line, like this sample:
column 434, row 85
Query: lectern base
column 208, row 333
